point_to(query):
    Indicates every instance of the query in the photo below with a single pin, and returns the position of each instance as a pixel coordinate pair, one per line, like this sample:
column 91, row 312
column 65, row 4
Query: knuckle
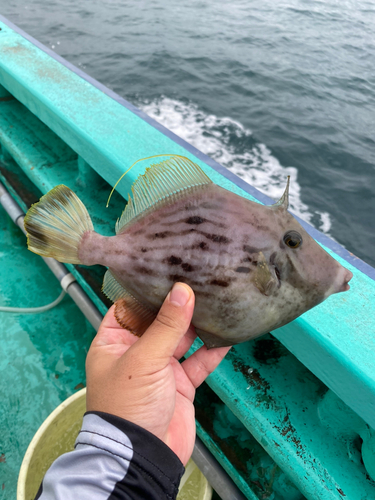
column 167, row 320
column 203, row 369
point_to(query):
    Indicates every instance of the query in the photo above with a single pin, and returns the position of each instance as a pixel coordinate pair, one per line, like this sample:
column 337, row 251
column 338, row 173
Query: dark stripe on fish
column 249, row 249
column 177, row 277
column 220, row 283
column 163, row 235
column 183, row 279
column 168, row 234
column 216, row 238
column 202, row 245
column 157, row 248
column 242, row 270
column 187, row 267
column 201, row 293
column 174, row 261
column 144, row 270
column 195, row 219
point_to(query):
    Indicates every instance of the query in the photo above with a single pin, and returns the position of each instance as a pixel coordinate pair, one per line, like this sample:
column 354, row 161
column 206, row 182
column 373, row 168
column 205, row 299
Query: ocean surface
column 268, row 89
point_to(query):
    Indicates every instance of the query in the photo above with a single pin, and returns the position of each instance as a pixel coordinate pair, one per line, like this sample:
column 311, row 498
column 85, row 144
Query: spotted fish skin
column 210, row 239
column 253, row 268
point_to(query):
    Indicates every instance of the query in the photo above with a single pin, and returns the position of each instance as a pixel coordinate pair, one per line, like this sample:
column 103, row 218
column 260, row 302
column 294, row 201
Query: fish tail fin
column 55, row 225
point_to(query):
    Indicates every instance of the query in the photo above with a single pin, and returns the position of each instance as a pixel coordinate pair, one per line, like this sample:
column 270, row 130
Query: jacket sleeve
column 113, row 460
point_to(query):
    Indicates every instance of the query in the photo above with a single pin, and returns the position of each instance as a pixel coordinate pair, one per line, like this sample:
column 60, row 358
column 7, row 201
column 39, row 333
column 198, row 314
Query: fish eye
column 292, row 239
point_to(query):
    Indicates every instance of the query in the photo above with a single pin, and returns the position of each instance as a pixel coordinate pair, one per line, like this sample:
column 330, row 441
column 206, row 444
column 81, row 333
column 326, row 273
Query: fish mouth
column 348, row 276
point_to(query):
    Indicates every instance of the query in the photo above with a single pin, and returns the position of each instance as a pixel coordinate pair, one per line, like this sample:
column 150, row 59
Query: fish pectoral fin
column 129, row 312
column 211, row 340
column 263, row 278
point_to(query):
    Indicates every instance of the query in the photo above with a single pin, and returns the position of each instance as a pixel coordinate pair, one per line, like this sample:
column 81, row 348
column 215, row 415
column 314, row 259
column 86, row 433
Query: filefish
column 253, row 268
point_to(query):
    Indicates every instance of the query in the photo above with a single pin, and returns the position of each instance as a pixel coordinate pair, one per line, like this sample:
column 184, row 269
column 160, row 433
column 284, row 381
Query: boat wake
column 233, row 146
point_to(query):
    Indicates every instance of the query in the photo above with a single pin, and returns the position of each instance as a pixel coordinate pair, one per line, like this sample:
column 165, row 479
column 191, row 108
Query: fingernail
column 179, row 295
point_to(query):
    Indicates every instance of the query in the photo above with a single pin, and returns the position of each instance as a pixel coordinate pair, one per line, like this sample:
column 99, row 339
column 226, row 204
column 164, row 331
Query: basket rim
column 22, row 476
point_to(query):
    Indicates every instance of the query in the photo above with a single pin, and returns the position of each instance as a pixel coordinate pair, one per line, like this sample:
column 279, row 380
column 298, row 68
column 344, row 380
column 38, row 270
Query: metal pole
column 215, row 474
column 66, row 279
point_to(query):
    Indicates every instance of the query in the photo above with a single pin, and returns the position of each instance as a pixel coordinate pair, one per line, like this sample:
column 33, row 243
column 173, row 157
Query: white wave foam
column 232, row 145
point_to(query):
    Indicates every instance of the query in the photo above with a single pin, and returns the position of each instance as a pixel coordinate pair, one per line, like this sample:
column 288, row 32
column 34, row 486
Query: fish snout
column 347, row 278
column 342, row 284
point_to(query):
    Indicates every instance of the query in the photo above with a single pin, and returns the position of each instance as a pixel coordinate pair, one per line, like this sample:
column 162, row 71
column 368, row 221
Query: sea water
column 268, row 89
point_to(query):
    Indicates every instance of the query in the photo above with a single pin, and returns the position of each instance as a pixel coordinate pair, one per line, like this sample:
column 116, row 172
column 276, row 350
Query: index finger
column 203, row 362
column 185, row 343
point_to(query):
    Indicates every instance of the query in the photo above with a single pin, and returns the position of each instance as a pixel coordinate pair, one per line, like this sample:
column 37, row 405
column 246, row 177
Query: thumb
column 162, row 337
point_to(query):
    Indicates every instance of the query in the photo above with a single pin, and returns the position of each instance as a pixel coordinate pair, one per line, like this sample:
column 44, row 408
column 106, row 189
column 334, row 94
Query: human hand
column 141, row 379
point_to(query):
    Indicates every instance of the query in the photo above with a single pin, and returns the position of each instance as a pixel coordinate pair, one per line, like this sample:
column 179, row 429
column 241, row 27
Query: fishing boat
column 290, row 415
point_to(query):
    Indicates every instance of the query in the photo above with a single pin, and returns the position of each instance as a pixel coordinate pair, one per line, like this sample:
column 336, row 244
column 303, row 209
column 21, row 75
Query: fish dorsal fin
column 159, row 182
column 129, row 312
column 283, row 202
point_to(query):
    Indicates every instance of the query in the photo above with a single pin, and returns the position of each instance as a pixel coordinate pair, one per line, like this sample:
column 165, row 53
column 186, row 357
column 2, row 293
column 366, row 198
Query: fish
column 253, row 268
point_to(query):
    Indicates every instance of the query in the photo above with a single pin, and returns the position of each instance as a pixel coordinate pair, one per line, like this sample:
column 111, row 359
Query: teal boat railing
column 288, row 416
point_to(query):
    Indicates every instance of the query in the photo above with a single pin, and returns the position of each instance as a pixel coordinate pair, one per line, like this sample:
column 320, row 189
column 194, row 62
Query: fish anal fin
column 211, row 340
column 263, row 278
column 158, row 183
column 133, row 316
column 129, row 312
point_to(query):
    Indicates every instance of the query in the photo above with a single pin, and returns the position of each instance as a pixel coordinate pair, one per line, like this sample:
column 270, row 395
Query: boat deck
column 42, row 356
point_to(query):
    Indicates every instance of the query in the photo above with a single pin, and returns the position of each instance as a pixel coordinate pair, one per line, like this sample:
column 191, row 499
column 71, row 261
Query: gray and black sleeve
column 113, row 460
